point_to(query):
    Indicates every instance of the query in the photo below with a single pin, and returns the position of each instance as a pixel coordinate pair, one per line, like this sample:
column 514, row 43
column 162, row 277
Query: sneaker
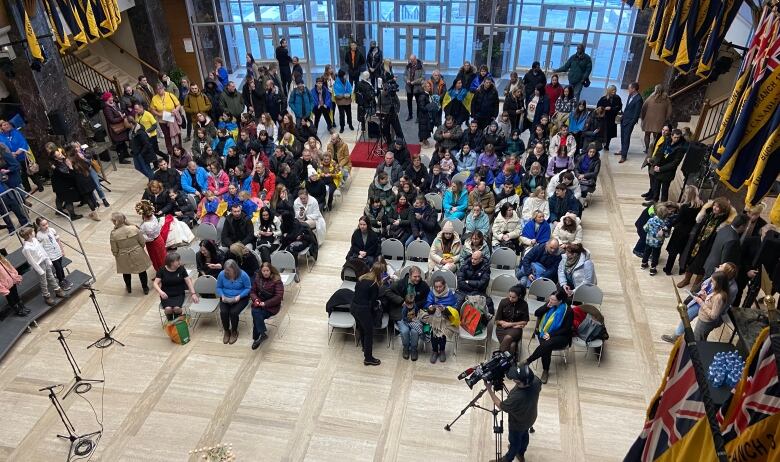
column 65, row 284
column 669, row 338
column 644, row 265
column 442, row 357
column 434, row 357
column 653, row 271
column 405, row 353
column 545, row 376
column 371, row 362
column 258, row 341
column 414, row 355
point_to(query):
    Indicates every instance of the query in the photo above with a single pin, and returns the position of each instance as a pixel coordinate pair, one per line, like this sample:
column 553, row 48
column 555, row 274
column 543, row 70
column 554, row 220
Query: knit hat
column 448, row 228
column 106, row 96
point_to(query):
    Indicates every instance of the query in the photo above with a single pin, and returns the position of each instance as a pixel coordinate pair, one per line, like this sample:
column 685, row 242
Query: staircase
column 86, row 71
column 106, row 68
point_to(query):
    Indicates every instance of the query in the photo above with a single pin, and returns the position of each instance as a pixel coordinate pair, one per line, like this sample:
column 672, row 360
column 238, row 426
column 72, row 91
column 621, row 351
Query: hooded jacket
column 301, row 103
column 232, row 103
column 461, row 204
column 452, row 142
column 510, row 225
column 384, row 193
column 486, row 199
column 436, row 255
column 427, row 226
column 584, row 271
column 394, row 172
column 568, row 237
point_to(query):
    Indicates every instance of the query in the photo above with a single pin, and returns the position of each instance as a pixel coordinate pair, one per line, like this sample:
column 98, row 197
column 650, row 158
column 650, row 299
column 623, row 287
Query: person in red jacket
column 266, row 296
column 553, row 90
column 254, row 157
column 262, row 183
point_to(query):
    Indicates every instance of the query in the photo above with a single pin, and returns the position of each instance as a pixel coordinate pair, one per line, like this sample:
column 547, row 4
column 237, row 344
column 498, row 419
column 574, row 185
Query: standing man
column 355, row 61
column 521, row 404
column 301, row 102
column 284, row 60
column 195, row 102
column 414, row 77
column 578, row 66
column 532, row 79
column 631, row 112
column 374, row 62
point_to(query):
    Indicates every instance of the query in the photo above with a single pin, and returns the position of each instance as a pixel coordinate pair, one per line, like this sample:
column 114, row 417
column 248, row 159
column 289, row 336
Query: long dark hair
column 288, row 223
column 211, row 248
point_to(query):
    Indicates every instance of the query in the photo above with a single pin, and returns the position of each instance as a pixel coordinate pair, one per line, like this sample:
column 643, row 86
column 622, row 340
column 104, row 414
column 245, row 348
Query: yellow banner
column 32, row 40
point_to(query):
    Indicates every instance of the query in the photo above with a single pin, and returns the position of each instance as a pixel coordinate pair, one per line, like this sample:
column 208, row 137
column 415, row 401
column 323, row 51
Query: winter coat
column 481, row 223
column 686, row 221
column 114, row 116
column 538, row 254
column 583, row 272
column 141, row 146
column 450, row 143
column 193, row 104
column 591, row 174
column 201, row 176
column 574, row 187
column 395, row 296
column 128, row 247
column 427, row 226
column 474, row 280
column 342, row 92
column 374, row 60
column 465, row 253
column 62, row 181
column 553, row 93
column 371, row 247
column 354, row 65
column 461, row 204
column 530, row 80
column 341, row 155
column 468, row 162
column 269, row 291
column 560, row 207
column 161, row 202
column 485, row 104
column 616, row 104
column 509, row 225
column 568, row 237
column 655, row 112
column 237, row 230
column 301, row 103
column 419, row 178
column 667, row 159
column 384, row 193
column 219, row 184
column 557, row 164
column 395, row 173
column 232, row 103
column 578, row 68
column 268, row 185
column 555, row 145
column 487, row 200
column 436, row 255
column 415, row 75
column 476, row 140
column 326, row 97
column 9, row 277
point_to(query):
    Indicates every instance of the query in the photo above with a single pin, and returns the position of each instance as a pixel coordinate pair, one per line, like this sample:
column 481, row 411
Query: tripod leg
column 472, row 403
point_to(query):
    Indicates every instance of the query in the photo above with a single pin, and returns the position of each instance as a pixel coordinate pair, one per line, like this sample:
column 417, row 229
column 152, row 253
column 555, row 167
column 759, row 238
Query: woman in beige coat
column 127, row 245
column 656, row 111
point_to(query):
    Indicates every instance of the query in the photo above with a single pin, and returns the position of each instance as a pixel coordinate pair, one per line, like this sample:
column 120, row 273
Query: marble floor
column 298, row 398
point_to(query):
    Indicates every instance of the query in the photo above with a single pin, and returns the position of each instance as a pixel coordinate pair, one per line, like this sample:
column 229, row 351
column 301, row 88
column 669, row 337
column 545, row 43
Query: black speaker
column 57, row 123
column 374, row 130
column 693, row 158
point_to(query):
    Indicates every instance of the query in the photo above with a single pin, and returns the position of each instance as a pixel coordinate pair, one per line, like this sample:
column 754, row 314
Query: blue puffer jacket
column 301, row 104
column 201, row 176
column 447, row 300
column 460, row 206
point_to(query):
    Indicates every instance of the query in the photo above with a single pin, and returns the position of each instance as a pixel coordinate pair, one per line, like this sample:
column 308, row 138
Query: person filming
column 521, row 404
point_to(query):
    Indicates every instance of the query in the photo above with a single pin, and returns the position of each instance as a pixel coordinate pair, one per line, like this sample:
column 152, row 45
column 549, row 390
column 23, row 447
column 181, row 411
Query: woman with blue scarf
column 457, row 102
column 553, row 331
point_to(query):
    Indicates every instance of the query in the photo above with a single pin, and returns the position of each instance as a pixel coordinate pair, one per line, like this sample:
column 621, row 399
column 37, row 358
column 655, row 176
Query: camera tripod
column 80, row 385
column 81, row 446
column 498, row 415
column 106, row 340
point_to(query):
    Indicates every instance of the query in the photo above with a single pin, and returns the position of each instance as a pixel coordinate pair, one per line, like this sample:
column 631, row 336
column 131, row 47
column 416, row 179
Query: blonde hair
column 119, row 219
column 691, row 197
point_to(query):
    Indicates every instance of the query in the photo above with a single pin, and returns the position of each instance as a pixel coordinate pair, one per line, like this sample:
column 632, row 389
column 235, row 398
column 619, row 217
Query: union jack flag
column 757, row 395
column 674, row 410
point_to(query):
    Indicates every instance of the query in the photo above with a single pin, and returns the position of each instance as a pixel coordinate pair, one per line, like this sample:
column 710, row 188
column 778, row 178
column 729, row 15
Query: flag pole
column 709, row 407
column 773, row 317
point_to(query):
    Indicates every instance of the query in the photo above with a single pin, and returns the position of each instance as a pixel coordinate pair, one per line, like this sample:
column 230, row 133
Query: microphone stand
column 81, row 446
column 80, row 385
column 106, row 340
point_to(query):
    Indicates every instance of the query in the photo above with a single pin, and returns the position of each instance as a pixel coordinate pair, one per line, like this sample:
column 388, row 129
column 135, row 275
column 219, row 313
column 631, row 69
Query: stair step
column 92, row 60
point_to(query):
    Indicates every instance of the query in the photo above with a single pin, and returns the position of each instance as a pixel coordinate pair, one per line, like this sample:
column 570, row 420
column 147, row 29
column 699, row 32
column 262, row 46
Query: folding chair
column 394, row 253
column 207, row 232
column 597, row 345
column 537, row 295
column 344, row 321
column 587, row 294
column 435, row 200
column 385, row 328
column 188, row 260
column 449, row 278
column 417, row 254
column 205, row 285
column 306, row 253
column 348, row 278
column 480, row 339
column 461, row 176
column 503, row 262
column 500, row 286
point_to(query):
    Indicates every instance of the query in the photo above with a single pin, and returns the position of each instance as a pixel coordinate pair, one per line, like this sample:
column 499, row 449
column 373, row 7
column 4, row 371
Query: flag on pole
column 717, row 32
column 29, row 33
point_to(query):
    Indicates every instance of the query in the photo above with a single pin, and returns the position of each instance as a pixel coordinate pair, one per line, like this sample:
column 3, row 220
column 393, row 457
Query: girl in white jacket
column 568, row 231
column 39, row 261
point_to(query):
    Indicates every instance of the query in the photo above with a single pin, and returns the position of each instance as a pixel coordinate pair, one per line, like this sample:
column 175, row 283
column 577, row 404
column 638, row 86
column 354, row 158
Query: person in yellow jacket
column 167, row 109
column 339, row 152
column 196, row 102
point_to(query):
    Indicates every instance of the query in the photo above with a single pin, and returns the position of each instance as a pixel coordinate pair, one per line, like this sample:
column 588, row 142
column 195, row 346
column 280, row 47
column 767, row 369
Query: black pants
column 392, row 122
column 322, row 111
column 13, row 296
column 286, row 81
column 545, row 349
column 660, row 190
column 59, row 271
column 345, row 113
column 409, row 98
column 365, row 325
column 142, row 276
column 36, row 179
column 670, row 259
column 229, row 312
column 652, row 254
column 438, row 344
column 353, row 79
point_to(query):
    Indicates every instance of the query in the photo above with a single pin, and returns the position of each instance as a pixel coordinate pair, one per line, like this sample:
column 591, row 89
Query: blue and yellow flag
column 716, row 34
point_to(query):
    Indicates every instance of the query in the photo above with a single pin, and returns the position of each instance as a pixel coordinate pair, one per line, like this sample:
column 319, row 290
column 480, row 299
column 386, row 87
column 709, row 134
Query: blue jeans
column 693, row 311
column 409, row 337
column 259, row 316
column 536, row 270
column 412, row 239
column 142, row 167
column 11, row 203
column 518, row 443
column 96, row 180
column 577, row 87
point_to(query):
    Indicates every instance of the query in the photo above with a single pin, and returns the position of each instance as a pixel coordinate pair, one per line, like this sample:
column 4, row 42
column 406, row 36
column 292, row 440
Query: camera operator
column 365, row 98
column 521, row 405
column 390, row 106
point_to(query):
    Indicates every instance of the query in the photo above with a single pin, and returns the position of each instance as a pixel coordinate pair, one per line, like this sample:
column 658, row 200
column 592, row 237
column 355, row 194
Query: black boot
column 20, row 311
column 24, row 308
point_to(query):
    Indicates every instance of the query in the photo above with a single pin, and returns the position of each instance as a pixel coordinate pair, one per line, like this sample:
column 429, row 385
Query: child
column 39, row 261
column 248, row 204
column 440, row 181
column 208, row 208
column 9, row 278
column 656, row 230
column 409, row 326
column 182, row 209
column 51, row 243
column 231, row 196
column 447, row 164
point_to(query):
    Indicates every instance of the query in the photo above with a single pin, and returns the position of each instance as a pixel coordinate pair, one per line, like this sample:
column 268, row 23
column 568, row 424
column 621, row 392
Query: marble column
column 491, row 11
column 150, row 32
column 44, row 91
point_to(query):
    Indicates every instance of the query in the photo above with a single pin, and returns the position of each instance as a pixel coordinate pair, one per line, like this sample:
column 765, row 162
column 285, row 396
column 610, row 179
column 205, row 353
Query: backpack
column 590, row 329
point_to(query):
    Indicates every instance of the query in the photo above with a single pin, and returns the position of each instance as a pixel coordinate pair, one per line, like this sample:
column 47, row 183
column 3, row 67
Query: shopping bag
column 178, row 330
column 470, row 319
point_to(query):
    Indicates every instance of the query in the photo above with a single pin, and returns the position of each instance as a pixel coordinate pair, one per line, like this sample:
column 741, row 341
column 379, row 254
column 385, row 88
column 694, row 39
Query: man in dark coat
column 355, row 62
column 237, row 228
column 169, row 177
column 631, row 112
column 474, row 278
column 284, row 60
column 425, row 226
column 394, row 297
column 725, row 247
column 579, row 65
column 533, row 78
column 663, row 165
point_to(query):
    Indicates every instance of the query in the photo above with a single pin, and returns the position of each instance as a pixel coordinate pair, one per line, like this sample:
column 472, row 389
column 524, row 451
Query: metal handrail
column 20, row 196
column 140, row 61
column 709, row 121
column 86, row 76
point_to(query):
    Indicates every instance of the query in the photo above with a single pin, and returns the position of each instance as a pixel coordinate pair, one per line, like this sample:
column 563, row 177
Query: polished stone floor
column 298, row 398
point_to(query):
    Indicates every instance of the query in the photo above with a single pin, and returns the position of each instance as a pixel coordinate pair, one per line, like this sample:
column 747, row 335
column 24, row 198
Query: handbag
column 470, row 319
column 32, row 166
column 178, row 330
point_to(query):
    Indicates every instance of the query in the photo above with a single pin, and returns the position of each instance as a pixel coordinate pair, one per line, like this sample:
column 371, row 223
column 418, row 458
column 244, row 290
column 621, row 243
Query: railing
column 709, row 120
column 140, row 61
column 87, row 76
column 688, row 88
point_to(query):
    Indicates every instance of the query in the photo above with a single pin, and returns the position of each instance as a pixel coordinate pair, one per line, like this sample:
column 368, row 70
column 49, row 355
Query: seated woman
column 534, row 179
column 209, row 259
column 694, row 302
column 233, row 286
column 536, row 201
column 476, row 220
column 440, row 298
column 330, row 172
column 506, row 228
column 267, row 233
column 586, row 169
column 296, row 236
column 536, row 231
column 476, row 241
column 567, row 178
column 466, row 159
column 399, row 220
column 266, row 300
column 375, row 213
column 560, row 162
column 241, row 254
column 712, row 307
column 555, row 322
column 511, row 317
column 155, row 194
column 575, row 269
column 568, row 231
column 181, row 207
column 218, row 179
column 445, row 251
column 170, row 283
column 455, row 201
column 364, row 244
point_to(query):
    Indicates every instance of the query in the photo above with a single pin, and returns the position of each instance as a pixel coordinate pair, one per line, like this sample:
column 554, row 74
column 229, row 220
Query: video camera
column 492, row 371
column 390, row 86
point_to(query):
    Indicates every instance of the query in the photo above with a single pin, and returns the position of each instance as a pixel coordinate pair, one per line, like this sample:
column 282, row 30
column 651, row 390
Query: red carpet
column 360, row 158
